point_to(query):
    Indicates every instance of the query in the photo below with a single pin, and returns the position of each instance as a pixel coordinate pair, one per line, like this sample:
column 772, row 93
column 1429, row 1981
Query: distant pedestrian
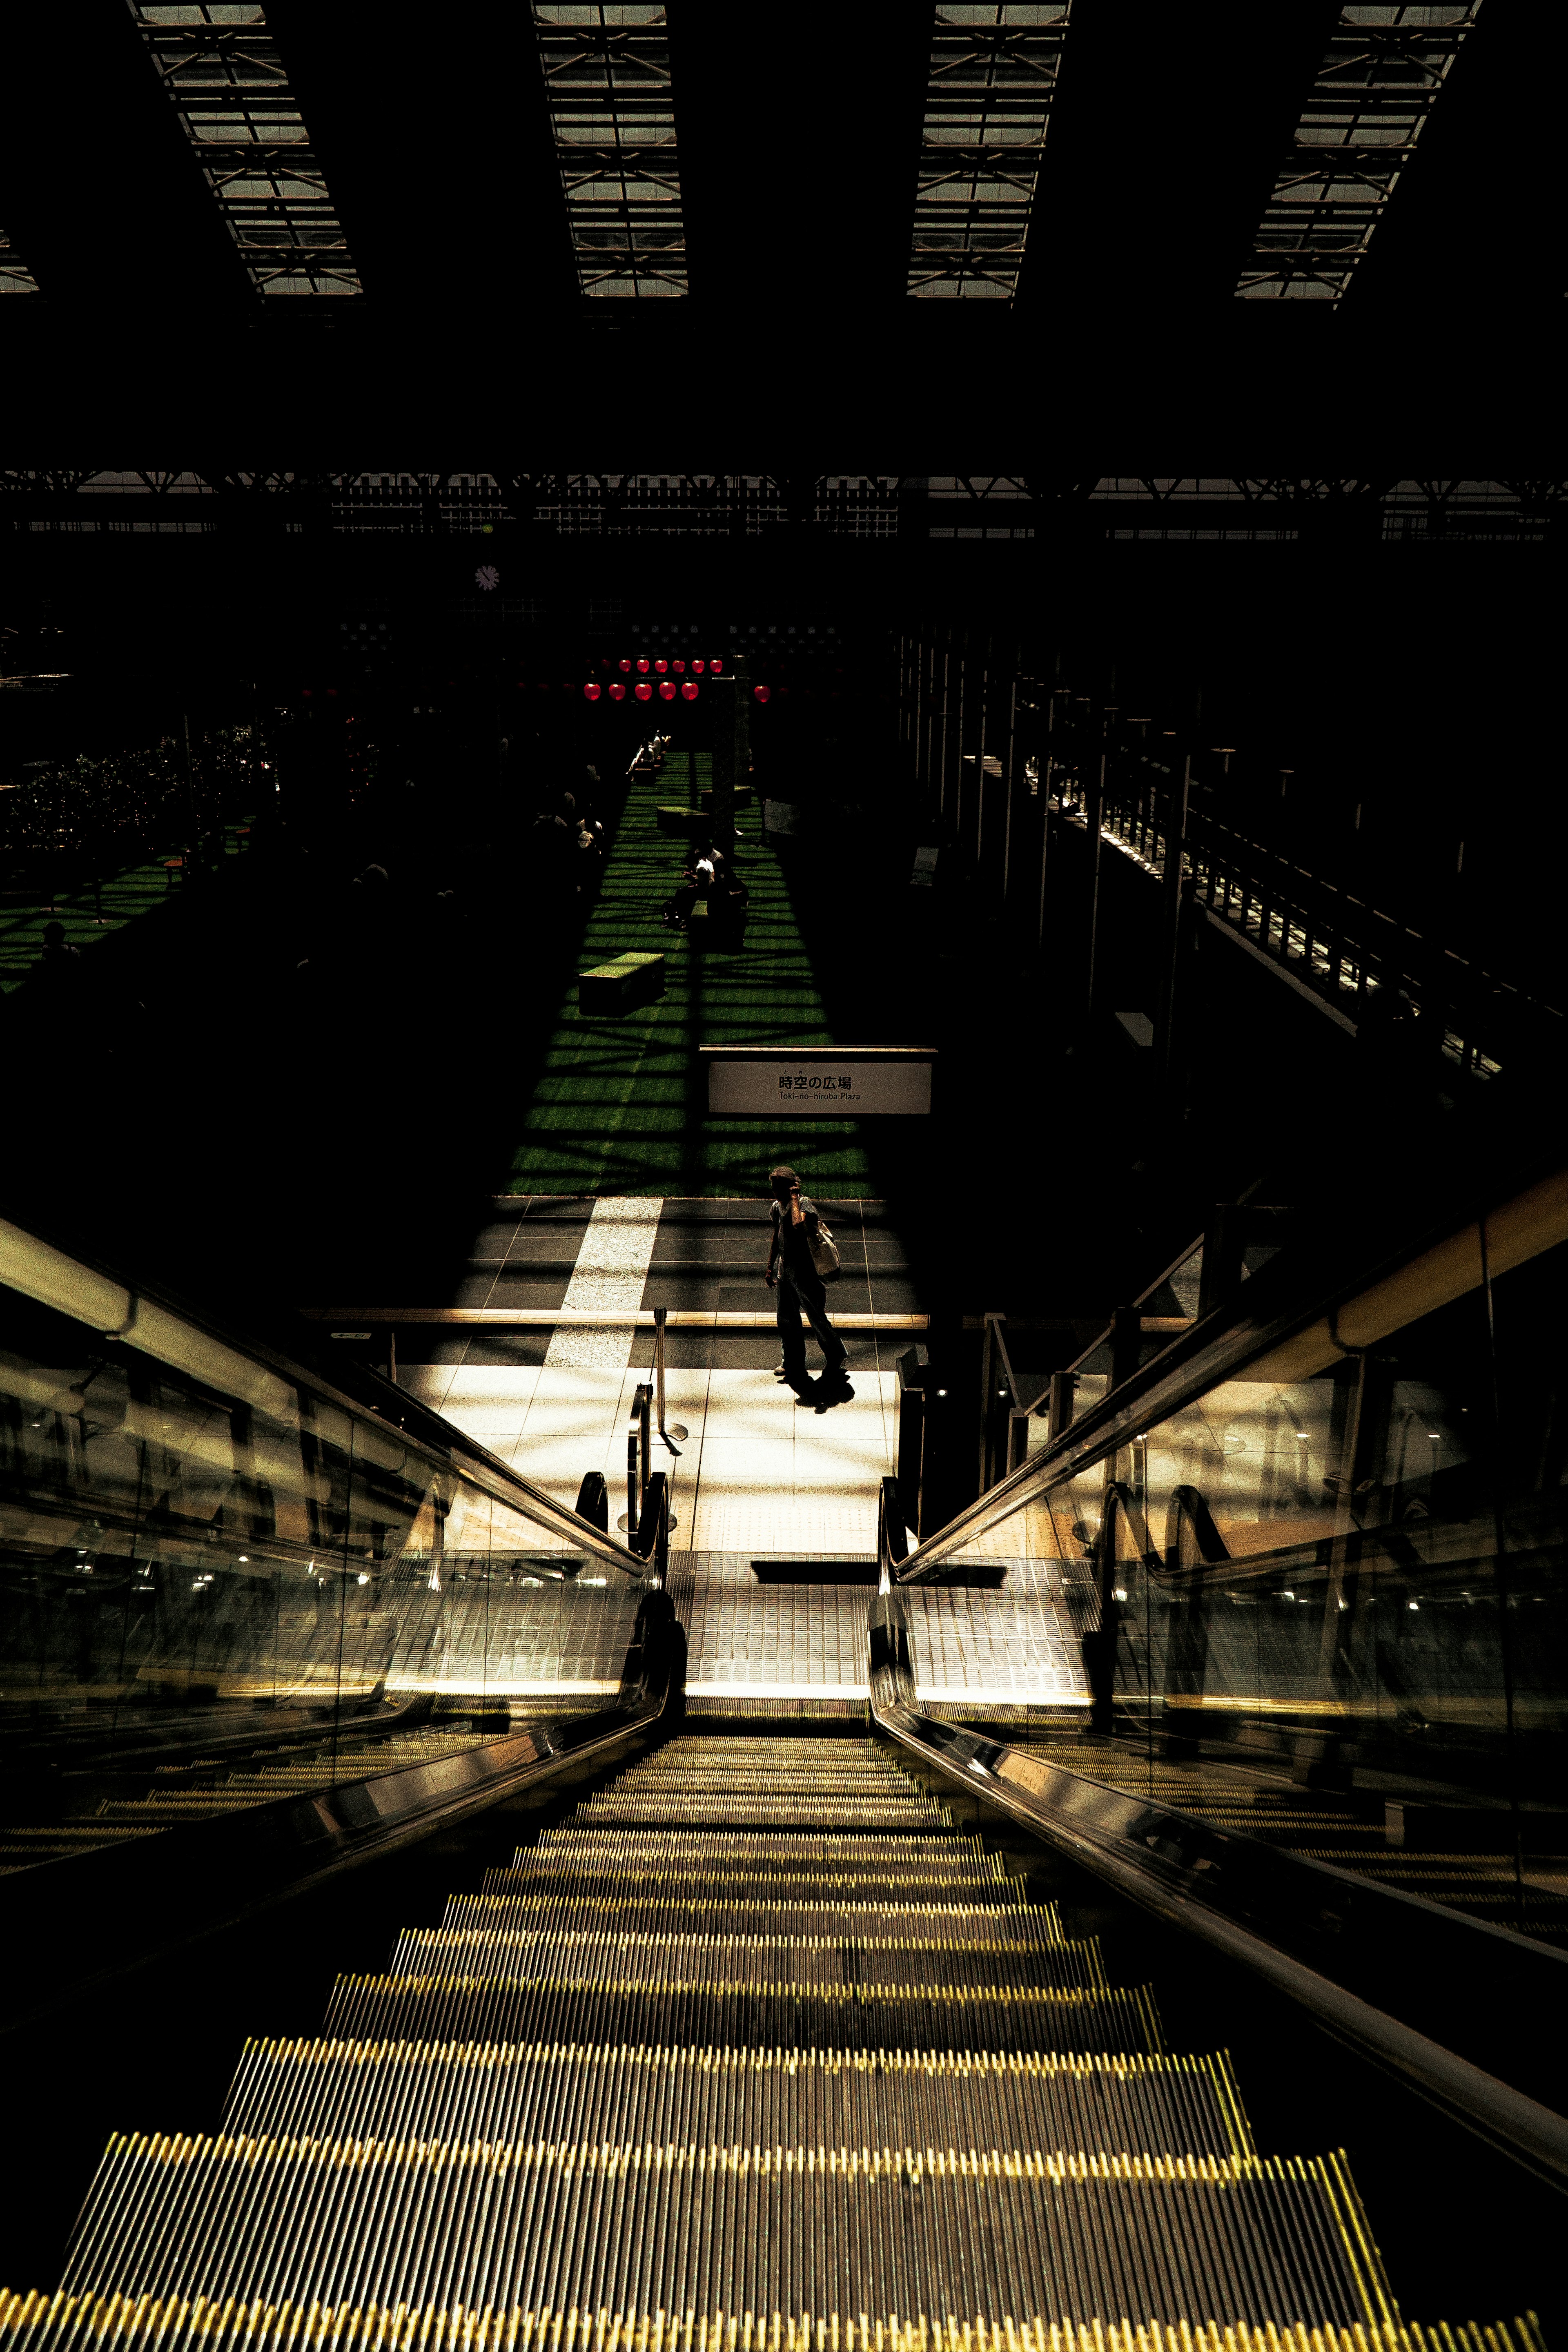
column 791, row 1270
column 57, row 953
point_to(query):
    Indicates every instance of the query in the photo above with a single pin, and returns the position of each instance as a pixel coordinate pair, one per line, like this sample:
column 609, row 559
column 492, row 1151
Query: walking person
column 796, row 1226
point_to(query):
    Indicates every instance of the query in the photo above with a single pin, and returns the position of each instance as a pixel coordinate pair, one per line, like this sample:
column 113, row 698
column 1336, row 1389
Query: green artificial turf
column 138, row 890
column 621, row 1102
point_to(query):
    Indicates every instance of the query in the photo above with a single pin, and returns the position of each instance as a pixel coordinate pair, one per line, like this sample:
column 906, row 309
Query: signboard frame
column 771, row 1082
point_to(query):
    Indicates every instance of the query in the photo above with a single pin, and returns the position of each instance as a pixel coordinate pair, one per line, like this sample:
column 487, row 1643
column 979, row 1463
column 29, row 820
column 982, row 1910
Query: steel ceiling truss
column 988, row 107
column 607, row 82
column 15, row 278
column 1375, row 91
column 572, row 505
column 221, row 68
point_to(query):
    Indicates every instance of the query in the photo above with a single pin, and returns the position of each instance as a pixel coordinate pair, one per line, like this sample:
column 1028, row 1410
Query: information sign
column 821, row 1081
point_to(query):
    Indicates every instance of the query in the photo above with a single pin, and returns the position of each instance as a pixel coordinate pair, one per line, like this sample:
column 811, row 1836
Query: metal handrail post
column 642, row 1404
column 630, row 1521
column 669, row 1431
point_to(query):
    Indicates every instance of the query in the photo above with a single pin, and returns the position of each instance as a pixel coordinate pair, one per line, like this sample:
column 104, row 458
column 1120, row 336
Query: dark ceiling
column 799, row 135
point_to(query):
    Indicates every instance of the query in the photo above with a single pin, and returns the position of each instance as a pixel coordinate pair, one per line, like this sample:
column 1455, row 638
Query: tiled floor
column 540, row 1250
column 608, row 1279
column 757, row 1471
column 758, row 1477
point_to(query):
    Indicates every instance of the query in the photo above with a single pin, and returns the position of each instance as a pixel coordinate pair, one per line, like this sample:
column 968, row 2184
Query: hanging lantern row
column 662, row 668
column 644, row 690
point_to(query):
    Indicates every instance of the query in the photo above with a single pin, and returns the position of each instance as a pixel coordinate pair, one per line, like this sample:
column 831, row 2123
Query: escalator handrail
column 168, row 1891
column 1167, row 1860
column 68, row 1284
column 1276, row 1305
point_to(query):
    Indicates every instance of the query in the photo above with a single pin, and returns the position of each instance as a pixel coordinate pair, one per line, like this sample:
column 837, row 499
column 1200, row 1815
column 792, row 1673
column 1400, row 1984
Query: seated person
column 677, row 911
column 726, row 908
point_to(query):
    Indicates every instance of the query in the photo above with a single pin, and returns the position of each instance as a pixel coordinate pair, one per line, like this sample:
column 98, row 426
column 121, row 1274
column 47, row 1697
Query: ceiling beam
column 1474, row 225
column 1167, row 130
column 800, row 141
column 439, row 156
column 99, row 191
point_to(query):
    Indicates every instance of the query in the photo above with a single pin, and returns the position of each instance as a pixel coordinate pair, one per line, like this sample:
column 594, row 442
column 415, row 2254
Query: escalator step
column 652, row 1958
column 68, row 2323
column 756, row 2052
column 499, row 2092
column 609, row 1847
column 685, row 2228
column 809, row 1913
column 740, row 2012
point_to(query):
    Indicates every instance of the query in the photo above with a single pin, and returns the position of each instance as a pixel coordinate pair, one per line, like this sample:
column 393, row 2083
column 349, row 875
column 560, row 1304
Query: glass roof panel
column 987, row 107
column 222, row 69
column 15, row 278
column 1374, row 90
column 607, row 81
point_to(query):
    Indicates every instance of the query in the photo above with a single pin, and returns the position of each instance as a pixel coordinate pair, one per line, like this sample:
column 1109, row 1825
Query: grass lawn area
column 138, row 890
column 621, row 1103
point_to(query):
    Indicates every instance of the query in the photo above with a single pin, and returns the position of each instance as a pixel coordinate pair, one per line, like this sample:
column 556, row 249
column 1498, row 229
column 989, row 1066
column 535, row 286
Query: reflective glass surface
column 1325, row 1601
column 221, row 1580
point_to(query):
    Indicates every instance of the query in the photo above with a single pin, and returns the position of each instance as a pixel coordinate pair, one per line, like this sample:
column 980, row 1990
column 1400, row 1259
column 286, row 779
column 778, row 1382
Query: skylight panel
column 988, row 107
column 15, row 278
column 221, row 68
column 1375, row 91
column 607, row 81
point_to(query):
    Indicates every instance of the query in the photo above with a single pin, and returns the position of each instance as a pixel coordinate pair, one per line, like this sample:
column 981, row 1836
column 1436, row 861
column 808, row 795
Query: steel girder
column 223, row 71
column 1375, row 91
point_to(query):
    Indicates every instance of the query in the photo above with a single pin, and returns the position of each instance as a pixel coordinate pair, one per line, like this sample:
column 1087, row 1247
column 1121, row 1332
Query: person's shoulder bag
column 824, row 1249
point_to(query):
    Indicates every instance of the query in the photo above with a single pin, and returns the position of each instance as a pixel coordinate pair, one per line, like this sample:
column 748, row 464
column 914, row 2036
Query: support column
column 1101, row 717
column 1009, row 778
column 953, row 764
column 1047, row 777
column 731, row 749
column 1171, row 911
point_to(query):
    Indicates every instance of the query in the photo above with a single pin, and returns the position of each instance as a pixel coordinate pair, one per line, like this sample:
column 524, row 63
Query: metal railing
column 1314, row 1933
column 1280, row 1302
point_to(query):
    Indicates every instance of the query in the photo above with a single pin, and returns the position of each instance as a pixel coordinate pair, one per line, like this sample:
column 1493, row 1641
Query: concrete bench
column 620, row 986
column 674, row 819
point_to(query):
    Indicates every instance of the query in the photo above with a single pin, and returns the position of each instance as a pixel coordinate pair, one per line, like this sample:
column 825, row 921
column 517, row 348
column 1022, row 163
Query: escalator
column 753, row 2048
column 844, row 2039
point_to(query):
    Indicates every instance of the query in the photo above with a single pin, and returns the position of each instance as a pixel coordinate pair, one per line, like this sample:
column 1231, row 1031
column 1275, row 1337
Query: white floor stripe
column 610, row 1275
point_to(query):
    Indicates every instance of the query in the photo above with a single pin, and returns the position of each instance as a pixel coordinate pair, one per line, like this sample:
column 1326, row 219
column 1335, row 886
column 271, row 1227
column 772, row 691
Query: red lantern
column 625, row 665
column 617, row 691
column 661, row 667
column 679, row 668
column 716, row 667
column 642, row 665
column 642, row 690
column 592, row 689
column 666, row 689
column 760, row 693
column 698, row 667
column 688, row 692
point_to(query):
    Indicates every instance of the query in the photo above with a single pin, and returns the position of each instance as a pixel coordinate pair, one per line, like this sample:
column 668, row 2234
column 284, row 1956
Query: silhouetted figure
column 799, row 1286
column 58, row 962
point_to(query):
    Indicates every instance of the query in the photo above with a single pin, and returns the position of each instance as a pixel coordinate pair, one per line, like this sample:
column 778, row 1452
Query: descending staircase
column 754, row 2051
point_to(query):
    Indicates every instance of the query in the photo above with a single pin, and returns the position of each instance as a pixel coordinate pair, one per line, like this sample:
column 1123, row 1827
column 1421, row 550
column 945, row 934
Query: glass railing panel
column 1325, row 1600
column 1334, row 1589
column 219, row 1580
column 997, row 1641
